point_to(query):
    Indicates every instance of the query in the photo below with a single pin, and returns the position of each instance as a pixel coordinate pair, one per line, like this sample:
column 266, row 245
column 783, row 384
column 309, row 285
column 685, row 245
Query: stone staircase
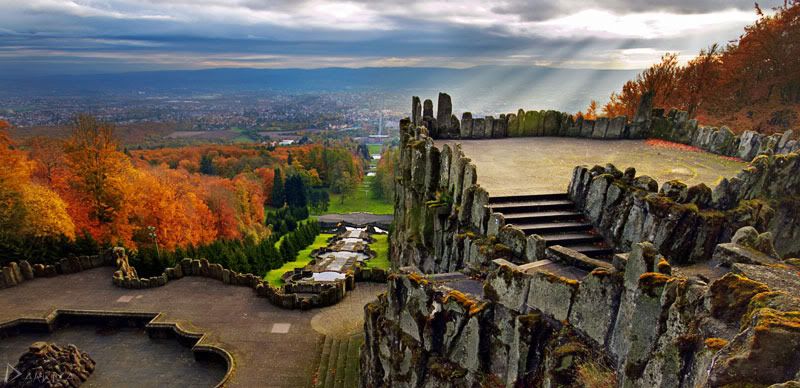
column 338, row 362
column 554, row 218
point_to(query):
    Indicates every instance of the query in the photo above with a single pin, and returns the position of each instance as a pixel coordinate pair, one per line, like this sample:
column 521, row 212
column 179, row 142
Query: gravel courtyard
column 543, row 165
column 271, row 347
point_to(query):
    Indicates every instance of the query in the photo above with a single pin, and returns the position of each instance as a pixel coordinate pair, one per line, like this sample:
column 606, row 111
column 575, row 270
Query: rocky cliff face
column 480, row 304
column 635, row 327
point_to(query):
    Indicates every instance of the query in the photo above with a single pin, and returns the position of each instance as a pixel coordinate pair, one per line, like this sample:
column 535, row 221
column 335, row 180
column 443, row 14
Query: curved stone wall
column 673, row 125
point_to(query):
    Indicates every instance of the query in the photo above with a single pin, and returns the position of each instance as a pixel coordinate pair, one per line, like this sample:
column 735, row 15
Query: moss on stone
column 417, row 279
column 731, row 294
column 472, row 306
column 771, row 319
column 715, row 344
column 650, row 282
column 552, row 278
column 664, row 267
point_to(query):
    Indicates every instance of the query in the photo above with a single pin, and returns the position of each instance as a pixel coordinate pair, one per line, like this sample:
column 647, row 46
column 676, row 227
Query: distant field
column 273, row 277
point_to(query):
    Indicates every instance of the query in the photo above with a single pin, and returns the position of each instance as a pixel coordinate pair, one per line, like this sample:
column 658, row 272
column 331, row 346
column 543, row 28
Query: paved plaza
column 543, row 165
column 271, row 347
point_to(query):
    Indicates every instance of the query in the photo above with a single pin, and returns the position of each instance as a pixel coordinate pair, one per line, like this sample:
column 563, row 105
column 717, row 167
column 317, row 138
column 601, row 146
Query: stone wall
column 686, row 223
column 673, row 126
column 636, row 326
column 15, row 273
column 293, row 295
column 442, row 222
column 644, row 320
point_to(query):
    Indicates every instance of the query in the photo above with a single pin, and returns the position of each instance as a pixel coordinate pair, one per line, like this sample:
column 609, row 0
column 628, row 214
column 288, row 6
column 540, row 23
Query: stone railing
column 16, row 273
column 673, row 126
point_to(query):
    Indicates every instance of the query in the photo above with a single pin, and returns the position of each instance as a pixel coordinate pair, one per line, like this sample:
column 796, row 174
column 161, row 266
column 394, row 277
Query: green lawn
column 374, row 148
column 381, row 248
column 303, row 257
column 361, row 200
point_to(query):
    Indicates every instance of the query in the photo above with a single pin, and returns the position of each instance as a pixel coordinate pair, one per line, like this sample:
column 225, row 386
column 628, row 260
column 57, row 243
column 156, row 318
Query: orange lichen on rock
column 472, row 306
column 664, row 267
column 552, row 278
column 769, row 319
column 731, row 294
column 715, row 343
column 417, row 279
column 649, row 281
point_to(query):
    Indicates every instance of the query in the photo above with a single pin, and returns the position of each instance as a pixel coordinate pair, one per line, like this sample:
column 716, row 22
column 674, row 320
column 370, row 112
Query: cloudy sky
column 80, row 36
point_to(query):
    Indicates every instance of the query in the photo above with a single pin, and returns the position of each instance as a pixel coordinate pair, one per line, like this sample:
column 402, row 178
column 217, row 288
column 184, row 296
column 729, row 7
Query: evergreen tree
column 296, row 192
column 206, row 165
column 278, row 195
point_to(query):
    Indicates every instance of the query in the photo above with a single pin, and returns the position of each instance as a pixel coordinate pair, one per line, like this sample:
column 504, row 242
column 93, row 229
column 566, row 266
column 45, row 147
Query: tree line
column 750, row 83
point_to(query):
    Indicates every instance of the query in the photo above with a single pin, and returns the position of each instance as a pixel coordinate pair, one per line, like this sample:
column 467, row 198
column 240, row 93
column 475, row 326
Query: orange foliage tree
column 752, row 83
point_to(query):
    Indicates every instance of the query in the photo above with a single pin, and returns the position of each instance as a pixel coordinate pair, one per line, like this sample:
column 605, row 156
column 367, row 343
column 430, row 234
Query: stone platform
column 271, row 347
column 543, row 165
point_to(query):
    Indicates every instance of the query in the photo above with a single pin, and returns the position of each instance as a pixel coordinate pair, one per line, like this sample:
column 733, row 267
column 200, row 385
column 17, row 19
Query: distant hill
column 485, row 88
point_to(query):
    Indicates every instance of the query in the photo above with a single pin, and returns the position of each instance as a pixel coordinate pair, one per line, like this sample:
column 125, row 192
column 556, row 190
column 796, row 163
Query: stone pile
column 674, row 125
column 49, row 365
column 15, row 273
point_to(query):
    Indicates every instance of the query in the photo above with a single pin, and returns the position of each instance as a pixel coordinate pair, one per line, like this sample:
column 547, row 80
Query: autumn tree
column 99, row 173
column 27, row 210
column 48, row 153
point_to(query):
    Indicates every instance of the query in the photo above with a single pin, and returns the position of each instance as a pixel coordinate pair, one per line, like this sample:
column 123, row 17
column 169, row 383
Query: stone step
column 322, row 369
column 352, row 373
column 532, row 206
column 527, row 198
column 554, row 227
column 330, row 372
column 569, row 239
column 542, row 216
column 341, row 364
column 596, row 251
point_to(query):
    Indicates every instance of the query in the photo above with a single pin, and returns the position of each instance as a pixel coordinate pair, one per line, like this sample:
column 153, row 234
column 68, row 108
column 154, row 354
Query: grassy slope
column 361, row 200
column 303, row 257
column 381, row 247
column 374, row 149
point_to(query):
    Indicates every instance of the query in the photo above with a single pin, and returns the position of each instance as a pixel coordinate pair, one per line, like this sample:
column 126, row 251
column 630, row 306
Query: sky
column 104, row 36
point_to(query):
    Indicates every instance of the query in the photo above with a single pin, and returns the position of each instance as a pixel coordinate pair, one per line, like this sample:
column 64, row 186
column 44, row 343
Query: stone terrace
column 251, row 329
column 543, row 165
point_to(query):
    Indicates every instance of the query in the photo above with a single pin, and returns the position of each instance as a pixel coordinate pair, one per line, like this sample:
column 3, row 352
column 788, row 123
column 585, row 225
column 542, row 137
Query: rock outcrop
column 50, row 365
column 478, row 303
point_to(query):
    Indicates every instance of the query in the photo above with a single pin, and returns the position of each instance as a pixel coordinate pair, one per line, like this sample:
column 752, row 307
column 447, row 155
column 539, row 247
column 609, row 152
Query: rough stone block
column 600, row 128
column 551, row 294
column 535, row 248
column 731, row 253
column 508, row 286
column 575, row 258
column 596, row 304
column 26, row 270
